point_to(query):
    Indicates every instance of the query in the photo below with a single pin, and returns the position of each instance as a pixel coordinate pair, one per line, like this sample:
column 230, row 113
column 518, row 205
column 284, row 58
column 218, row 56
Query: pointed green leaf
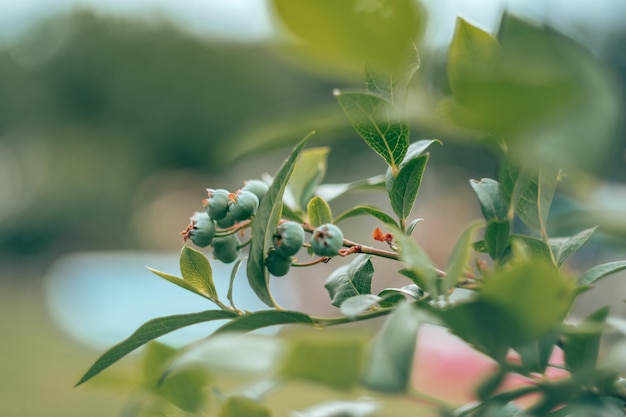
column 406, row 186
column 347, row 34
column 233, row 274
column 393, row 296
column 581, row 348
column 389, row 367
column 378, row 123
column 470, row 53
column 373, row 211
column 419, row 267
column 265, row 318
column 530, row 191
column 411, row 226
column 497, row 237
column 178, row 281
column 331, row 191
column 534, row 297
column 460, row 256
column 379, row 83
column 349, row 280
column 308, row 173
column 241, row 406
column 493, row 206
column 351, row 307
column 263, row 224
column 536, row 248
column 196, row 270
column 150, row 331
column 319, row 212
column 566, row 246
column 536, row 354
column 417, row 149
column 600, row 271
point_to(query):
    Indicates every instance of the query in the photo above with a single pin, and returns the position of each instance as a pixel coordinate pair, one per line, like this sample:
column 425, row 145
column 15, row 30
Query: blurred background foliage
column 111, row 127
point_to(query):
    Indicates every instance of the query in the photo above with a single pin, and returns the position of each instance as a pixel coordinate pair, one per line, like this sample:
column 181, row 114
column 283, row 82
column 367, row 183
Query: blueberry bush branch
column 501, row 292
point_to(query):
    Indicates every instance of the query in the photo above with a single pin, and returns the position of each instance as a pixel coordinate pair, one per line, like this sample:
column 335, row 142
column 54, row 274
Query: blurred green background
column 114, row 119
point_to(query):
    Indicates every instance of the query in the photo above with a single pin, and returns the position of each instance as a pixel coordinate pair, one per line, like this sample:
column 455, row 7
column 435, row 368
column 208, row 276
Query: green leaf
column 530, row 191
column 331, row 191
column 233, row 275
column 536, row 354
column 379, row 83
column 389, row 366
column 184, row 388
column 411, row 226
column 378, row 123
column 241, row 406
column 353, row 306
column 363, row 408
column 406, row 186
column 419, row 267
column 334, row 359
column 460, row 257
column 196, row 270
column 565, row 246
column 265, row 318
column 348, row 34
column 534, row 297
column 590, row 276
column 392, row 296
column 240, row 353
column 470, row 52
column 497, row 238
column 319, row 212
column 177, row 281
column 308, row 173
column 350, row 280
column 263, row 224
column 515, row 306
column 373, row 211
column 581, row 348
column 537, row 249
column 493, row 206
column 150, row 331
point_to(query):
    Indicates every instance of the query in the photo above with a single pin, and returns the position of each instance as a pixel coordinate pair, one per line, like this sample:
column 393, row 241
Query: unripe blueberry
column 243, row 205
column 202, row 230
column 278, row 265
column 256, row 187
column 226, row 222
column 327, row 239
column 217, row 203
column 288, row 238
column 225, row 248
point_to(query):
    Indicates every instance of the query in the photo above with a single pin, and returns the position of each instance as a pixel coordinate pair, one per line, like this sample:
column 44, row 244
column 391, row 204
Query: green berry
column 226, row 222
column 256, row 187
column 225, row 248
column 217, row 203
column 202, row 230
column 243, row 205
column 278, row 265
column 288, row 238
column 327, row 240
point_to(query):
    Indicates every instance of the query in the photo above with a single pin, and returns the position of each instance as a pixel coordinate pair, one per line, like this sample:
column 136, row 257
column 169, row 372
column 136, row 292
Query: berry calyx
column 327, row 239
column 242, row 205
column 288, row 238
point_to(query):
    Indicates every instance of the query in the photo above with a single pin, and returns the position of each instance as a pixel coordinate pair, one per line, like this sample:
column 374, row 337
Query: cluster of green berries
column 288, row 238
column 223, row 210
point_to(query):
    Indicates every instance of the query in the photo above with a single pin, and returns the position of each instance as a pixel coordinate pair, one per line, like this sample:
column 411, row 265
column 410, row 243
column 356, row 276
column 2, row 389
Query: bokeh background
column 116, row 115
